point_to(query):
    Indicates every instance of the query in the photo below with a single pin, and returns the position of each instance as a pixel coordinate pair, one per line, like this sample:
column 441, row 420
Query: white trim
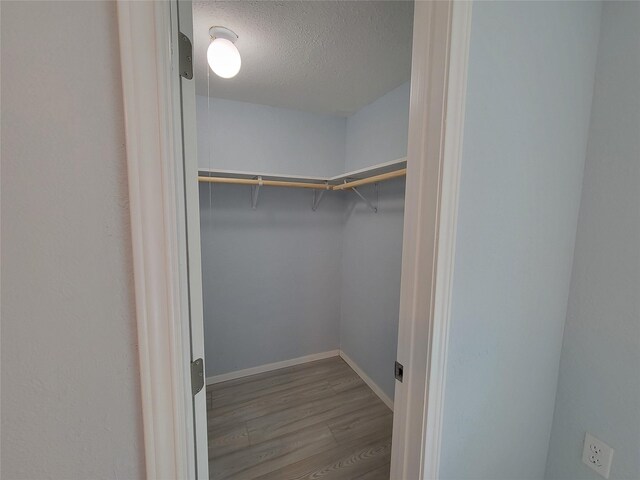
column 154, row 159
column 453, row 142
column 438, row 87
column 268, row 367
column 367, row 379
column 160, row 185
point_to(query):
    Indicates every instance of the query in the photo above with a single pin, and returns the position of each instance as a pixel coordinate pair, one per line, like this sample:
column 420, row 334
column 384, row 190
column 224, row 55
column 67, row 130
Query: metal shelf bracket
column 255, row 191
column 373, row 207
column 317, row 197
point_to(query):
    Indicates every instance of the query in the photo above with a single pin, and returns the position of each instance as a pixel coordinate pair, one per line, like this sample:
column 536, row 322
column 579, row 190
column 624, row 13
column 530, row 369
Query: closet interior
column 302, row 164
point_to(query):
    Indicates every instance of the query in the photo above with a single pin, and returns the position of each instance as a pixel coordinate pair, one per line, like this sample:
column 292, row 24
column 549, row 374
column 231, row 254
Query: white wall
column 529, row 96
column 599, row 383
column 372, row 242
column 71, row 405
column 250, row 137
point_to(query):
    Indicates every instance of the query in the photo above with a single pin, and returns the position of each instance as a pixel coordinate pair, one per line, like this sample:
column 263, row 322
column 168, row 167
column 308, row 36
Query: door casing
column 441, row 34
column 162, row 172
column 165, row 234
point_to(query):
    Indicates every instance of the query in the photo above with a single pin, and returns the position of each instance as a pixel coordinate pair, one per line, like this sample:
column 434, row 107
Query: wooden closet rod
column 374, row 179
column 316, row 186
column 269, row 183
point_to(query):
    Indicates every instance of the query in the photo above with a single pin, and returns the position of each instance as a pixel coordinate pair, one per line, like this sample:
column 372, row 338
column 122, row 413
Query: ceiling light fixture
column 222, row 54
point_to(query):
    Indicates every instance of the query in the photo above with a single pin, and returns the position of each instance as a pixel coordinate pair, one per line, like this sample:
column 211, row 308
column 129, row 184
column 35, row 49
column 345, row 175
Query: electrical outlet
column 597, row 455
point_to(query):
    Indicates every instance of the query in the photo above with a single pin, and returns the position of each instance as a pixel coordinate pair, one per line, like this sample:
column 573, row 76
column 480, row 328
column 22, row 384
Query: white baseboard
column 372, row 385
column 297, row 361
column 271, row 366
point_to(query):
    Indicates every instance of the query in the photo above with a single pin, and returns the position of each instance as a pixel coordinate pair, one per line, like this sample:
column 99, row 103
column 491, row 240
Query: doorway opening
column 161, row 127
column 302, row 164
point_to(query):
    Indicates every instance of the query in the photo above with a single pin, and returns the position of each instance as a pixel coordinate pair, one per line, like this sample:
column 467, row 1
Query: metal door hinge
column 197, row 375
column 185, row 53
column 399, row 371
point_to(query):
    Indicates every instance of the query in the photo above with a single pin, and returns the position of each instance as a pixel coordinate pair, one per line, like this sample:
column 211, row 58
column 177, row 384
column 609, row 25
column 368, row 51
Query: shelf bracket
column 255, row 191
column 317, row 197
column 373, row 207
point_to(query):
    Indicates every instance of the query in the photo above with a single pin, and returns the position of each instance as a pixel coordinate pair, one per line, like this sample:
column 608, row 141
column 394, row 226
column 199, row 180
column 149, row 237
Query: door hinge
column 197, row 376
column 399, row 371
column 185, row 53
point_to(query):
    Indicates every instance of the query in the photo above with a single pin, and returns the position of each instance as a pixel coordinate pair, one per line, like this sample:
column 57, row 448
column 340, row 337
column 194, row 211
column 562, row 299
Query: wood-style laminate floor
column 318, row 420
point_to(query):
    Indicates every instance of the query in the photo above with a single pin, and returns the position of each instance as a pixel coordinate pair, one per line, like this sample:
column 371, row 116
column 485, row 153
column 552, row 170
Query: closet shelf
column 372, row 171
column 319, row 185
column 373, row 179
column 373, row 174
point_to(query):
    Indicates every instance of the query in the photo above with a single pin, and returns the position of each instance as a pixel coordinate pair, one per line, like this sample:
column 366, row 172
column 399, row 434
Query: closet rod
column 316, row 186
column 374, row 179
column 269, row 183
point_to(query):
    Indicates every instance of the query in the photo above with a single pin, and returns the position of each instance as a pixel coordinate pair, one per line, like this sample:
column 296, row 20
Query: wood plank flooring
column 318, row 420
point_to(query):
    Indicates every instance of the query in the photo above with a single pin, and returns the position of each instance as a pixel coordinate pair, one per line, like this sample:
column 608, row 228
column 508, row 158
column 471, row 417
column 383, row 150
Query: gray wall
column 372, row 242
column 599, row 383
column 271, row 276
column 283, row 281
column 528, row 106
column 371, row 264
column 71, row 405
column 377, row 133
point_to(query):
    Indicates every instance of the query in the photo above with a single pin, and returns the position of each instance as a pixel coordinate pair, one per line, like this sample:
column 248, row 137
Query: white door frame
column 167, row 294
column 153, row 126
column 441, row 35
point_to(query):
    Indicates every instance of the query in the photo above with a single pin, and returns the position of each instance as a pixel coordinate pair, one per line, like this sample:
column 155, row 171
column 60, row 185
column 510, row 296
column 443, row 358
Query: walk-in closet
column 302, row 144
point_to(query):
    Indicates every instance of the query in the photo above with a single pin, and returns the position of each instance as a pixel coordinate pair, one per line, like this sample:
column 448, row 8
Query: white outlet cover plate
column 597, row 455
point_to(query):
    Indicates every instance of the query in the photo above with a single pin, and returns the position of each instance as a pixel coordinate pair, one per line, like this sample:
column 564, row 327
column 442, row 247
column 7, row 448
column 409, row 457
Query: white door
column 192, row 263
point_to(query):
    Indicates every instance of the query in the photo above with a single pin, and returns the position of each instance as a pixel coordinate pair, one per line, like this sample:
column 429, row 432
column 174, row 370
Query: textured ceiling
column 329, row 57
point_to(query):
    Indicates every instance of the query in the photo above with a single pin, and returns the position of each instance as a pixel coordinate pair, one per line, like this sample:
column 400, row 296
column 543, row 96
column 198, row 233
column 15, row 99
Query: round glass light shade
column 223, row 58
